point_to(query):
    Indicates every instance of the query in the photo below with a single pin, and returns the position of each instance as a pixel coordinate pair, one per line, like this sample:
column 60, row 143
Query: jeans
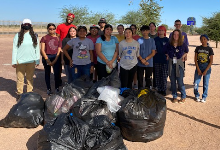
column 68, row 71
column 174, row 78
column 197, row 80
column 56, row 70
column 80, row 70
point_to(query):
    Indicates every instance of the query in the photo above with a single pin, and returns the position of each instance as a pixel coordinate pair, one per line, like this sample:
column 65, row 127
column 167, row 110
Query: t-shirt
column 120, row 37
column 152, row 36
column 128, row 51
column 160, row 56
column 136, row 37
column 203, row 53
column 63, row 29
column 185, row 39
column 94, row 52
column 107, row 48
column 81, row 55
column 146, row 47
column 175, row 51
column 51, row 44
column 70, row 51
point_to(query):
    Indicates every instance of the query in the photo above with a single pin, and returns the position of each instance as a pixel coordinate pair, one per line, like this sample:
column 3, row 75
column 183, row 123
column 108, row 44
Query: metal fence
column 12, row 27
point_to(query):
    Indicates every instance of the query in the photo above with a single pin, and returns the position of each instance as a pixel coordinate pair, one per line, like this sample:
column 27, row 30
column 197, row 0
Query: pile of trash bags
column 87, row 115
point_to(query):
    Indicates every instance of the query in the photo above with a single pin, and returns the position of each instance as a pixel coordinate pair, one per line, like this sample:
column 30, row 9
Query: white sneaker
column 203, row 100
column 198, row 99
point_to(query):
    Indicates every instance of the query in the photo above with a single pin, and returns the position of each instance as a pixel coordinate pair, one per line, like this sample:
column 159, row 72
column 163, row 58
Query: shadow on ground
column 32, row 141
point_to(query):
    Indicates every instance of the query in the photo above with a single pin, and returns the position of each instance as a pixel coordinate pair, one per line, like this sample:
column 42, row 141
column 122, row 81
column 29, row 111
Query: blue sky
column 48, row 11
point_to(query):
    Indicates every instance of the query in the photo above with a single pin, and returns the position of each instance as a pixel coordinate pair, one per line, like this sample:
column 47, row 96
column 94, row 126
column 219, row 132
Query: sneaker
column 182, row 100
column 198, row 99
column 203, row 100
column 49, row 92
column 57, row 91
column 135, row 86
column 174, row 100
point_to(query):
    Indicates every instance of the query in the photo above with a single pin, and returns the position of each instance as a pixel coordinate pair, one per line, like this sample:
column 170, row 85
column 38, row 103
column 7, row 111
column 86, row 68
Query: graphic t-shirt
column 107, row 48
column 63, row 29
column 81, row 55
column 203, row 53
column 146, row 47
column 51, row 44
column 128, row 51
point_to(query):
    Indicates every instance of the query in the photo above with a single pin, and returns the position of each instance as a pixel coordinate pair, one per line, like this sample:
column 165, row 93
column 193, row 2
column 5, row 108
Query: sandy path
column 188, row 126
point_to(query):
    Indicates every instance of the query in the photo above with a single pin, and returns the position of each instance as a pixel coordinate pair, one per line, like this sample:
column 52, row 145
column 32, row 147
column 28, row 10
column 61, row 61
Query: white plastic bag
column 110, row 96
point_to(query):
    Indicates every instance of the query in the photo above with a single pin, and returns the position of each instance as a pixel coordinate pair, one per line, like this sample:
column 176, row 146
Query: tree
column 150, row 11
column 81, row 14
column 85, row 17
column 211, row 27
column 185, row 28
column 131, row 17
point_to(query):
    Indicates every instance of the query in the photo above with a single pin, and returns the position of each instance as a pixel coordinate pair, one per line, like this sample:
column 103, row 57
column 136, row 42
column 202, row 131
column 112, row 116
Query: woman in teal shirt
column 107, row 51
column 25, row 56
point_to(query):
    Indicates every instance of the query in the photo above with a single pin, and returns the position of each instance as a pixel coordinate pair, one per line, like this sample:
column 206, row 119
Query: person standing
column 176, row 51
column 81, row 61
column 61, row 32
column 94, row 36
column 145, row 63
column 136, row 37
column 153, row 32
column 120, row 36
column 25, row 56
column 50, row 50
column 203, row 61
column 160, row 61
column 107, row 51
column 102, row 22
column 128, row 53
column 71, row 35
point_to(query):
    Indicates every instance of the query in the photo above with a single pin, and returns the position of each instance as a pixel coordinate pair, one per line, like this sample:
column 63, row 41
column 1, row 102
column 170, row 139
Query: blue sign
column 191, row 21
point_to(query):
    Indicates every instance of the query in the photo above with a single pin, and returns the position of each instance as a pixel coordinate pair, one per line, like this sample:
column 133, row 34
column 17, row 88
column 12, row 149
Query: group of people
column 96, row 53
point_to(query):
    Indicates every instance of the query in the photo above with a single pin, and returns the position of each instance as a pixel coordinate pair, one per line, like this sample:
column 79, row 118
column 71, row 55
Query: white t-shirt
column 128, row 51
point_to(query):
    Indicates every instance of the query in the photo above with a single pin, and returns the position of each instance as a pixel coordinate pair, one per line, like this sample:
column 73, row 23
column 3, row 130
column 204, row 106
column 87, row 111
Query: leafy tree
column 85, row 17
column 165, row 25
column 131, row 17
column 211, row 27
column 185, row 28
column 150, row 10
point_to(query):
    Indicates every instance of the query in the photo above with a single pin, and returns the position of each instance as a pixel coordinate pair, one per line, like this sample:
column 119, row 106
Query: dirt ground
column 193, row 125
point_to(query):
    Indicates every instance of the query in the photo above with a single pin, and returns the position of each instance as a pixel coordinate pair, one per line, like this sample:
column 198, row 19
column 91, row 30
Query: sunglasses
column 177, row 24
column 51, row 29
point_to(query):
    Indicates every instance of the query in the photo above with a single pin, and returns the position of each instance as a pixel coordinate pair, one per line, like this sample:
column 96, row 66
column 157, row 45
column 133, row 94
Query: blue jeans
column 197, row 80
column 174, row 78
column 80, row 70
column 68, row 72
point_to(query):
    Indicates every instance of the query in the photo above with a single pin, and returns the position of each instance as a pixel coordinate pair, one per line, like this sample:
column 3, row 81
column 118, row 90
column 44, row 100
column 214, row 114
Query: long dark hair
column 21, row 37
column 106, row 26
column 68, row 34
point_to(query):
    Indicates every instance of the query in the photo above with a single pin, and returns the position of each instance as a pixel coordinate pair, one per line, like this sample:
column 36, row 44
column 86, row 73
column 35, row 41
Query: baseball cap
column 204, row 35
column 102, row 20
column 26, row 21
column 94, row 26
column 71, row 14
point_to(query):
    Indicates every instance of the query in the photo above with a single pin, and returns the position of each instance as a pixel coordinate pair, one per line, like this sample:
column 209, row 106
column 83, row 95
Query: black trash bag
column 103, row 135
column 27, row 113
column 142, row 119
column 66, row 133
column 112, row 80
column 82, row 84
column 86, row 109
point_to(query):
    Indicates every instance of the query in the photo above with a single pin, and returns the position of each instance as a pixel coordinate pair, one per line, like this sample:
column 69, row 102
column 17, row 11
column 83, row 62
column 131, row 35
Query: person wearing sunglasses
column 25, row 56
column 50, row 49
